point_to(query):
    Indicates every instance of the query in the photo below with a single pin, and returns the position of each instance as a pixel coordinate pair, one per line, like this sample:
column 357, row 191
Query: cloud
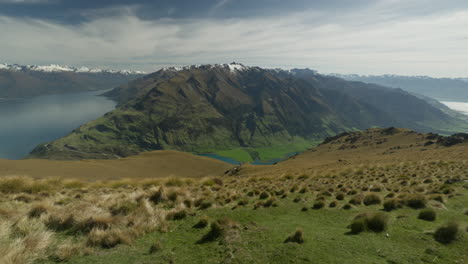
column 375, row 40
column 220, row 4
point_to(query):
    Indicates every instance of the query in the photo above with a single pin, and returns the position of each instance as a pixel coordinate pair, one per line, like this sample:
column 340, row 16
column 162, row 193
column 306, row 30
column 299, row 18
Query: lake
column 25, row 123
column 256, row 162
column 458, row 106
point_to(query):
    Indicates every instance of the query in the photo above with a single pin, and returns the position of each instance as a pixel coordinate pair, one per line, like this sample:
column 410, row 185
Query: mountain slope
column 27, row 81
column 221, row 107
column 411, row 111
column 449, row 89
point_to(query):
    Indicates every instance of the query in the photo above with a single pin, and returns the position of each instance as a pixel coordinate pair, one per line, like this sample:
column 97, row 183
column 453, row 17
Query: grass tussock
column 447, row 233
column 427, row 214
column 296, row 237
column 375, row 222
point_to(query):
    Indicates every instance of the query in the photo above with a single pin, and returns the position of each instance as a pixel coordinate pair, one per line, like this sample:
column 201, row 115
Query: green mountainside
column 239, row 111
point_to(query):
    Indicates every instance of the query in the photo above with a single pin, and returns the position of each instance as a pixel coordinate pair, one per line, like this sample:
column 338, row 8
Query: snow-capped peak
column 232, row 67
column 61, row 68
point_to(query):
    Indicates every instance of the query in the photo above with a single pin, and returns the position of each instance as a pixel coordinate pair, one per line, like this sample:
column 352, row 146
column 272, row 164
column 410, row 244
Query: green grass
column 267, row 153
column 239, row 154
column 260, row 239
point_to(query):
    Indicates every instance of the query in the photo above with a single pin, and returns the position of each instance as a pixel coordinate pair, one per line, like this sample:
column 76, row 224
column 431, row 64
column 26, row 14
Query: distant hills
column 448, row 89
column 19, row 81
column 232, row 107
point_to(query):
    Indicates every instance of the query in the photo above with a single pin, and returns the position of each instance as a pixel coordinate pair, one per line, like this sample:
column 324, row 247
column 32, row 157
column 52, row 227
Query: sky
column 405, row 37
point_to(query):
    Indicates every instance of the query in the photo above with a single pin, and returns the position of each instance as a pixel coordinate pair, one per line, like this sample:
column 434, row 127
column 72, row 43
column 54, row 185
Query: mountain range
column 20, row 81
column 445, row 89
column 232, row 107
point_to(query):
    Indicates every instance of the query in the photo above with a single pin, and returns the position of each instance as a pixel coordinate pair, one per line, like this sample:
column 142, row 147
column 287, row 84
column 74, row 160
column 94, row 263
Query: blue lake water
column 25, row 123
column 257, row 162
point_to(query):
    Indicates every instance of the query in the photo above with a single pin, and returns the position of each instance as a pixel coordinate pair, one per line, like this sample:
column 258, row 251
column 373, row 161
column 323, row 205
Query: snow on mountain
column 61, row 68
column 232, row 67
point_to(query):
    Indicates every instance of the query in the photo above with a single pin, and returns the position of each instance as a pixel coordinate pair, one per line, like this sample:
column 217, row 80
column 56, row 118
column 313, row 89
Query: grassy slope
column 267, row 153
column 264, row 230
column 155, row 164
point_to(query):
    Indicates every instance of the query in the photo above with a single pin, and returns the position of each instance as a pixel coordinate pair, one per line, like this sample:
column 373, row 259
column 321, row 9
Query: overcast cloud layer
column 420, row 37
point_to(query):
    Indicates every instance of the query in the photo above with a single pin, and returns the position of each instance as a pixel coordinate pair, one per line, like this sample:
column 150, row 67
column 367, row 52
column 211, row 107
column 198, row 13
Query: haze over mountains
column 211, row 108
column 20, row 81
column 448, row 89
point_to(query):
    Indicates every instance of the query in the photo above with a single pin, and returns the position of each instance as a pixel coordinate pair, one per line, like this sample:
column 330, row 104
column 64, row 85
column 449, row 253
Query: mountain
column 445, row 89
column 17, row 81
column 212, row 108
column 406, row 107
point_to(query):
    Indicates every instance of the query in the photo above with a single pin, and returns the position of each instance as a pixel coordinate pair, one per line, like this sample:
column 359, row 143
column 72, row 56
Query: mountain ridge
column 210, row 108
column 20, row 81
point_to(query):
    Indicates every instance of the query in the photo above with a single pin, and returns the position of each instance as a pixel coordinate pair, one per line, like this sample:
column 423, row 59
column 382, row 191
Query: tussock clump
column 155, row 247
column 99, row 222
column 124, row 208
column 243, row 202
column 66, row 250
column 202, row 223
column 347, row 207
column 296, row 237
column 318, row 205
column 176, row 215
column 270, row 202
column 158, row 196
column 37, row 210
column 392, row 204
column 447, row 233
column 205, row 204
column 172, row 196
column 280, row 192
column 108, row 238
column 340, row 196
column 264, row 196
column 333, row 204
column 371, row 199
column 174, row 182
column 356, row 200
column 60, row 222
column 416, row 201
column 375, row 222
column 427, row 214
column 438, row 198
column 25, row 198
column 218, row 229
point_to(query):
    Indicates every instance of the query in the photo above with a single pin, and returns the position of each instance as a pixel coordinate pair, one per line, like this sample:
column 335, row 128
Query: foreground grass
column 260, row 239
column 146, row 221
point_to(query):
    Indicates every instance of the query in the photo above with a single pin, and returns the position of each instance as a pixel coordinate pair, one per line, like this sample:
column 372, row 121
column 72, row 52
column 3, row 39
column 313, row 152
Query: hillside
column 156, row 164
column 448, row 89
column 232, row 107
column 404, row 106
column 377, row 196
column 27, row 81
